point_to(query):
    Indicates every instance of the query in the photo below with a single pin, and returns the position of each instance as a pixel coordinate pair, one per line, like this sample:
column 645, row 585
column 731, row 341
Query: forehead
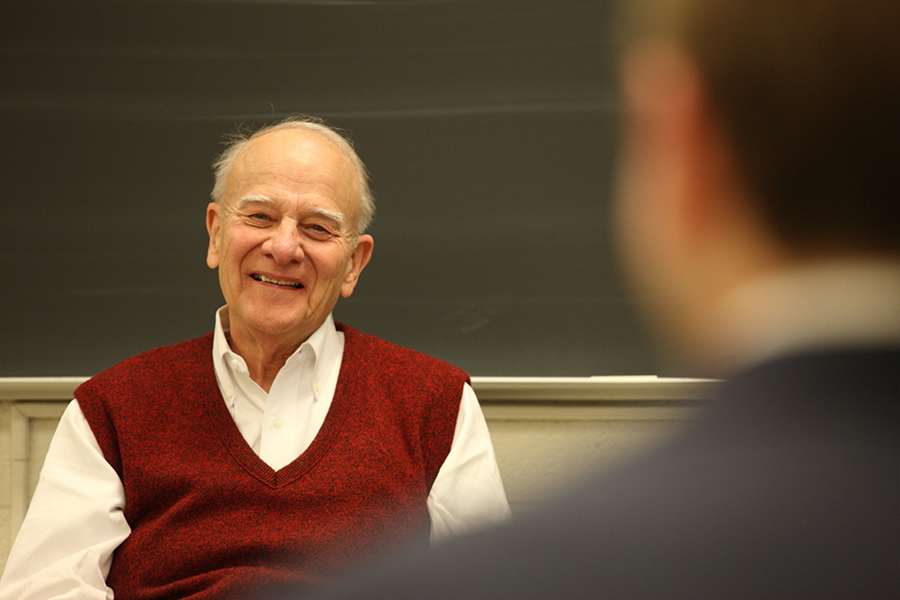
column 293, row 163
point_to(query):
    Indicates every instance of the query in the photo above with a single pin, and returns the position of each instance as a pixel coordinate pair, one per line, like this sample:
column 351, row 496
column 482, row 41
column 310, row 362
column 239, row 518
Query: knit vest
column 210, row 519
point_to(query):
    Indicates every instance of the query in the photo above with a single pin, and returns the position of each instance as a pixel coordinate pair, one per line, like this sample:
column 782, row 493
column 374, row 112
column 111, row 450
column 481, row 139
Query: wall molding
column 21, row 416
column 38, row 388
column 502, row 398
column 643, row 388
column 548, row 399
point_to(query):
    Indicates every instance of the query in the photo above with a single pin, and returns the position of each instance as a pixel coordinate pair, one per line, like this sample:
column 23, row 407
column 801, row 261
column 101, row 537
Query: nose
column 284, row 245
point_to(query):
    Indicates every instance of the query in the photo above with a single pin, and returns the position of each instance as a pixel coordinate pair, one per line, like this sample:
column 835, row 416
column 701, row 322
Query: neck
column 264, row 354
column 264, row 361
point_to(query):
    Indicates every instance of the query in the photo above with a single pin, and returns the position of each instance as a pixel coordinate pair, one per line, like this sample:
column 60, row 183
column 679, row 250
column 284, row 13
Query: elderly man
column 758, row 219
column 280, row 448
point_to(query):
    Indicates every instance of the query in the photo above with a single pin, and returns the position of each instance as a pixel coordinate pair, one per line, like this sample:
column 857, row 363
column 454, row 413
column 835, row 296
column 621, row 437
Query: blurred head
column 758, row 133
column 284, row 233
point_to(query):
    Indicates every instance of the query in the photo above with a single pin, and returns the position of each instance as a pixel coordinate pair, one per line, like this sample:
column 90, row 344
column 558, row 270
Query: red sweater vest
column 210, row 519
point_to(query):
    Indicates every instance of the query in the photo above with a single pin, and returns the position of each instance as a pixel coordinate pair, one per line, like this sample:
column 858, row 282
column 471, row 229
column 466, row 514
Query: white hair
column 237, row 142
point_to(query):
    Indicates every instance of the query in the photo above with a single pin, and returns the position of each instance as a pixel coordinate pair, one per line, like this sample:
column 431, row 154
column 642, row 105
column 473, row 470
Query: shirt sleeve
column 468, row 493
column 74, row 521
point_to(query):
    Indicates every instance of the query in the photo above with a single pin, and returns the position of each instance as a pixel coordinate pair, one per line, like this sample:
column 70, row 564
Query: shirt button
column 235, row 365
column 278, row 422
column 230, row 393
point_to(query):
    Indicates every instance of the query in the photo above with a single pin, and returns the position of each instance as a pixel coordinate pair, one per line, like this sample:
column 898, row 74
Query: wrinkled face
column 284, row 236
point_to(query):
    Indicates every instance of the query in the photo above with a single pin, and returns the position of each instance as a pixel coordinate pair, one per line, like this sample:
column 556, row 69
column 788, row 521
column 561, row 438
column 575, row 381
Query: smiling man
column 285, row 237
column 282, row 447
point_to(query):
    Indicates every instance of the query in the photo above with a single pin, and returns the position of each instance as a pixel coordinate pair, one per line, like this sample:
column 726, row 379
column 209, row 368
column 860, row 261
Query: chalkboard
column 489, row 127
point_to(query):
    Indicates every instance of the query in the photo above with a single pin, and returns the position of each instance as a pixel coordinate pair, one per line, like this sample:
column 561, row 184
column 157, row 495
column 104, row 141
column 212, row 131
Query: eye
column 258, row 218
column 317, row 231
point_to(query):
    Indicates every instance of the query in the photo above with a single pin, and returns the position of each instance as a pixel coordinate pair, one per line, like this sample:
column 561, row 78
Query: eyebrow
column 334, row 215
column 254, row 199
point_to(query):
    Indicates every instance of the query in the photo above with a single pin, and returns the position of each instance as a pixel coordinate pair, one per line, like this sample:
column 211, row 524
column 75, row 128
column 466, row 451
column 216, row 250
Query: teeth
column 275, row 281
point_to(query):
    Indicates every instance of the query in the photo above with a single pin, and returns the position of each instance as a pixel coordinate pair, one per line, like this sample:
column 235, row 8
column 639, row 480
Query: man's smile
column 266, row 279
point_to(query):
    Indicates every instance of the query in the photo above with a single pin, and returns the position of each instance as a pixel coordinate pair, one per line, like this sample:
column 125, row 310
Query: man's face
column 284, row 236
column 687, row 231
column 656, row 181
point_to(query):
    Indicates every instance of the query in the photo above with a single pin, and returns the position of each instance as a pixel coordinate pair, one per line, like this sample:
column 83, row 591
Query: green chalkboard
column 489, row 127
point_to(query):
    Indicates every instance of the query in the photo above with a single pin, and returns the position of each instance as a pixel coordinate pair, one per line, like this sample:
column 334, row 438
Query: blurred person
column 282, row 446
column 757, row 219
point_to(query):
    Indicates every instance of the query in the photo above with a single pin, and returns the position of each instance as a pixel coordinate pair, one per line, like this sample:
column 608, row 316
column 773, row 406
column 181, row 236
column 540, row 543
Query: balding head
column 224, row 163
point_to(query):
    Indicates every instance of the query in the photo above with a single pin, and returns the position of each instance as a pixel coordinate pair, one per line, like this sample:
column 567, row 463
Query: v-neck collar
column 227, row 431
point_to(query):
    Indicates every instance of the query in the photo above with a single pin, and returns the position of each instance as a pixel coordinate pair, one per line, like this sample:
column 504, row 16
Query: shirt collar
column 819, row 306
column 324, row 348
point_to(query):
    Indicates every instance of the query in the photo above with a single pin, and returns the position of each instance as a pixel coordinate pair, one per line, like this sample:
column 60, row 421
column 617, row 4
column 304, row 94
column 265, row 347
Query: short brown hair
column 809, row 91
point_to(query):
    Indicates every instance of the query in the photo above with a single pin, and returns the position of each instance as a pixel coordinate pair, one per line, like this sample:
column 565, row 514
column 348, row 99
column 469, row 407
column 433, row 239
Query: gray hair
column 237, row 142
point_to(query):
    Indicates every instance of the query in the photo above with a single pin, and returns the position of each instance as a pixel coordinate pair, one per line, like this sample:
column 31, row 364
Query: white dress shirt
column 76, row 518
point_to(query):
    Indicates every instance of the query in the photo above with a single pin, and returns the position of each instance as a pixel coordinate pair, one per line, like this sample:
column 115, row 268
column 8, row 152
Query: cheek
column 330, row 265
column 236, row 245
column 648, row 187
column 643, row 230
column 339, row 259
column 653, row 261
column 632, row 215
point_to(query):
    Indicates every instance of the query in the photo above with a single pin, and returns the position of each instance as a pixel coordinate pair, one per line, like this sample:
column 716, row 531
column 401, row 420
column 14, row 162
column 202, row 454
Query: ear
column 213, row 226
column 358, row 261
column 673, row 121
column 662, row 96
